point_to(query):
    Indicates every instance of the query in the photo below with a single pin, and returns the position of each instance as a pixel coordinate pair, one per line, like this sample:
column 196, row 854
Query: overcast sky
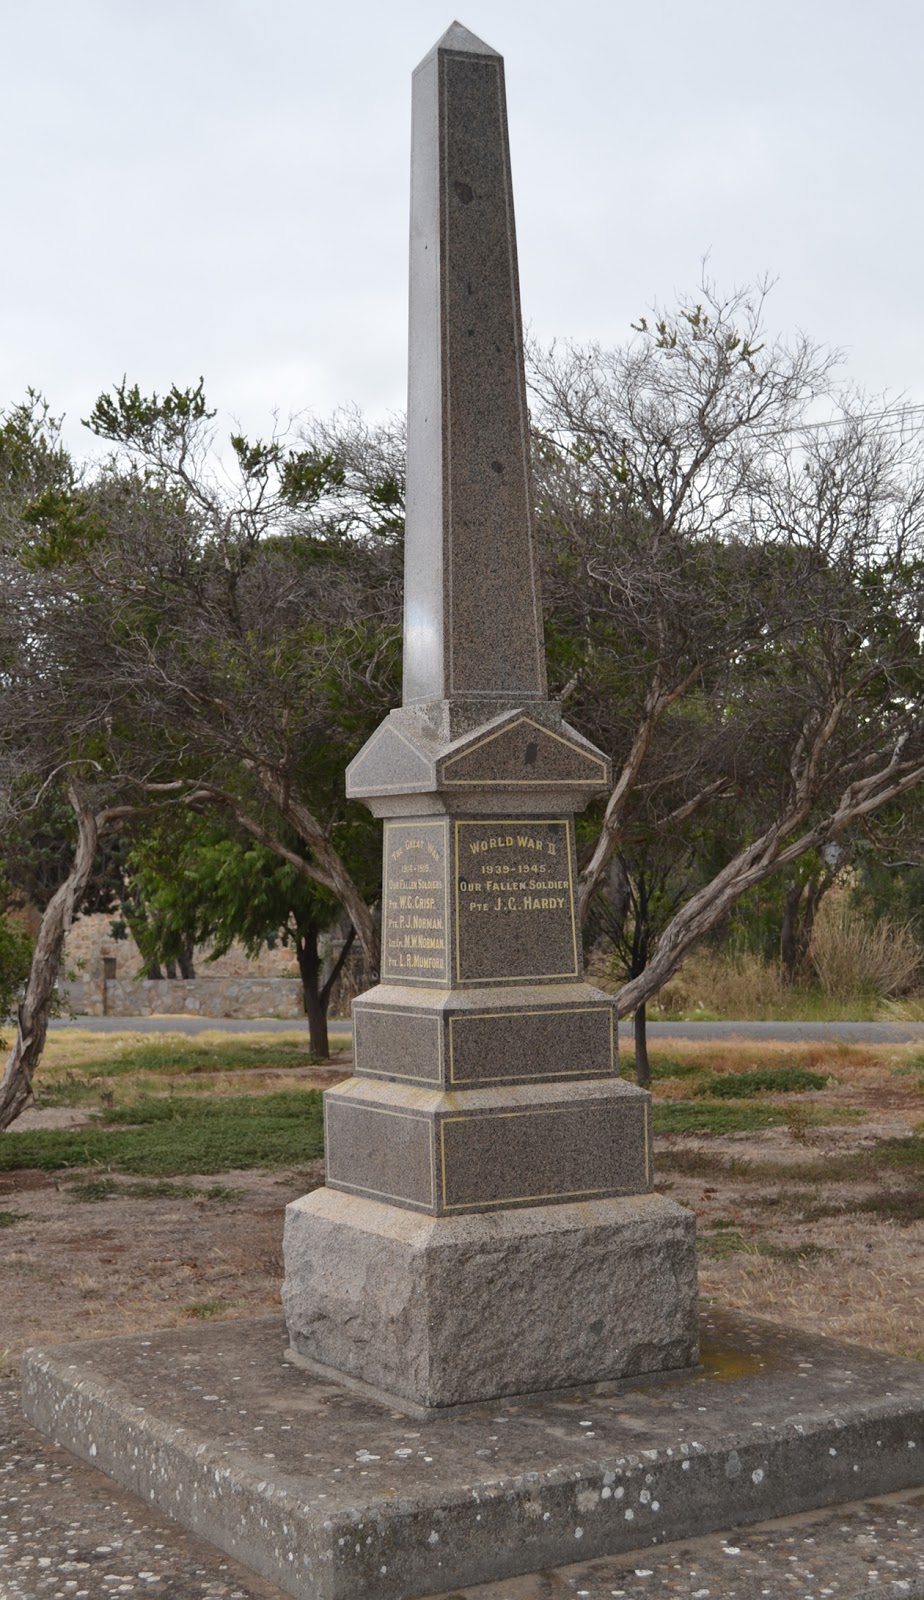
column 220, row 186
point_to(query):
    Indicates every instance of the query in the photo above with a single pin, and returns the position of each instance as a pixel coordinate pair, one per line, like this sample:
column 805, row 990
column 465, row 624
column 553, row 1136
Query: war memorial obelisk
column 488, row 1226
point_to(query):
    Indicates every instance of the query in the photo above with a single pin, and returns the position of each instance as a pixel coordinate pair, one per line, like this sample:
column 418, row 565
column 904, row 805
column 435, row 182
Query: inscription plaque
column 514, row 900
column 415, row 947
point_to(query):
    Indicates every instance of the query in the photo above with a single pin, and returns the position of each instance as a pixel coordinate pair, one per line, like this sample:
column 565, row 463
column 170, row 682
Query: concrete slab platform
column 333, row 1497
column 865, row 1551
column 63, row 1523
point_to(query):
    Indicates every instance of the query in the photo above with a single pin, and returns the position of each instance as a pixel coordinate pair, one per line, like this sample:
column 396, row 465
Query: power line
column 899, row 413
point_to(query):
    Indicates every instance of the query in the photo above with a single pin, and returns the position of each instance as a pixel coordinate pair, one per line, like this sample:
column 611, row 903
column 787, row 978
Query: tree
column 166, row 642
column 34, row 1008
column 735, row 604
column 201, row 886
column 51, row 752
column 260, row 623
column 749, row 590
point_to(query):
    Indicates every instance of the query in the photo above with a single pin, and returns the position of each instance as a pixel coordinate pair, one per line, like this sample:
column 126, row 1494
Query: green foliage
column 199, row 885
column 889, row 881
column 15, row 961
column 175, row 1136
column 31, row 455
column 9, row 1219
column 154, row 423
column 65, row 526
column 772, row 1080
column 305, row 476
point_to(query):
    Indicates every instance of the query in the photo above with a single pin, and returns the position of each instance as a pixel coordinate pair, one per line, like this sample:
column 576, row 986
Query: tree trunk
column 315, row 1002
column 185, row 963
column 642, row 1065
column 338, row 967
column 789, row 944
column 32, row 1023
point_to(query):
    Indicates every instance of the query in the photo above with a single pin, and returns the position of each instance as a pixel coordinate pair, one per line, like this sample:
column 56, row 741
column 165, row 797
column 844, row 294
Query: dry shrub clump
column 740, row 985
column 855, row 955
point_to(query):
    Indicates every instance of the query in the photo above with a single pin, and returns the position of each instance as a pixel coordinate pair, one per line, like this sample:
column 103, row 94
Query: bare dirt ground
column 787, row 1230
column 83, row 1269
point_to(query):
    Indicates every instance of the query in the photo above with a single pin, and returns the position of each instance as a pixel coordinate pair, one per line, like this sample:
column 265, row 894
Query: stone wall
column 91, row 941
column 196, row 997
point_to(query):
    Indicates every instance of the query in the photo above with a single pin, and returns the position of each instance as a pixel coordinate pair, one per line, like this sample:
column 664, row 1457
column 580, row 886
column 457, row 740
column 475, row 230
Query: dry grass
column 105, row 1071
column 863, row 1282
column 855, row 955
column 746, row 987
column 909, row 1009
column 736, row 986
column 859, row 1064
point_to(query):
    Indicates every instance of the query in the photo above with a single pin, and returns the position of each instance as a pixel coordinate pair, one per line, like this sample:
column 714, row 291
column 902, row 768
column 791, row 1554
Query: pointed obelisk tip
column 458, row 37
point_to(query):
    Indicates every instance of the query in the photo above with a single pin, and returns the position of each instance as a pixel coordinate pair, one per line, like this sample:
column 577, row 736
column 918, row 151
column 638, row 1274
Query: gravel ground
column 69, row 1533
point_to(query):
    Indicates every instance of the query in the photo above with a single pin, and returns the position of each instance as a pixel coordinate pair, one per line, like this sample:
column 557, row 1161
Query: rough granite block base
column 334, row 1497
column 442, row 1311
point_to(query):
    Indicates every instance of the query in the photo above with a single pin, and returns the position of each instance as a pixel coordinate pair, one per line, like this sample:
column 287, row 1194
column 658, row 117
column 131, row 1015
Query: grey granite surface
column 473, row 616
column 474, row 1037
column 63, row 1523
column 513, row 1145
column 420, row 750
column 864, row 1551
column 68, row 1532
column 447, row 1310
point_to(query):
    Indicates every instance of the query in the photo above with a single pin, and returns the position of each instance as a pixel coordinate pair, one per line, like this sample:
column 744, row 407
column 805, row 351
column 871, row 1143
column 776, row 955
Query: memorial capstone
column 488, row 1226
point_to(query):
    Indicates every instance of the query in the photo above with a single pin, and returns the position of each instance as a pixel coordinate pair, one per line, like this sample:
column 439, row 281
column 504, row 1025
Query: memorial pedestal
column 439, row 1311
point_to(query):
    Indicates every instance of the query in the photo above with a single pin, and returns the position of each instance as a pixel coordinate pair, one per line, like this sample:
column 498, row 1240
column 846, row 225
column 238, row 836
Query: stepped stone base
column 443, row 1311
column 334, row 1497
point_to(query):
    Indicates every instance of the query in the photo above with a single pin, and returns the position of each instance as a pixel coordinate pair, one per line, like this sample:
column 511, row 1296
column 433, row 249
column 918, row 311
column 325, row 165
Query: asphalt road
column 709, row 1032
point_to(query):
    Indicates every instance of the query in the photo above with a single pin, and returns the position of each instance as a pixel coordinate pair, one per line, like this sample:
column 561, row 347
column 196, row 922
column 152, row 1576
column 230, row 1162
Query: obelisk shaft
column 473, row 618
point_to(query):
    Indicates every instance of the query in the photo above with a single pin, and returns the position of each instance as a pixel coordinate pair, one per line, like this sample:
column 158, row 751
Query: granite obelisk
column 488, row 1226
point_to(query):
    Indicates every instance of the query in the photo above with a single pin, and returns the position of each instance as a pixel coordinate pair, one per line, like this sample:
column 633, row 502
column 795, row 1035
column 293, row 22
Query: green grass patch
column 174, row 1136
column 902, row 1206
column 9, row 1219
column 202, row 1310
column 770, row 1080
column 174, row 1055
column 686, row 1116
column 153, row 1189
column 903, row 1152
column 725, row 1240
column 744, row 1116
